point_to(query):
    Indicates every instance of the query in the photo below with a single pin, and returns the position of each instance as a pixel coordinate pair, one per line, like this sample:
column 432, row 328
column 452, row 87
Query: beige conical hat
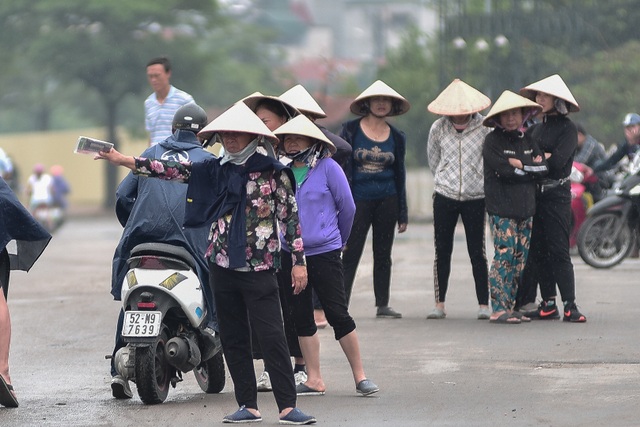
column 554, row 86
column 301, row 125
column 380, row 88
column 459, row 99
column 508, row 101
column 254, row 99
column 303, row 101
column 237, row 118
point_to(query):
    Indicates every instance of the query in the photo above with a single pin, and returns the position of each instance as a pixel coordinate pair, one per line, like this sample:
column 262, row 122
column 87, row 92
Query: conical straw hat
column 508, row 101
column 459, row 99
column 254, row 99
column 303, row 101
column 237, row 118
column 554, row 86
column 380, row 88
column 301, row 125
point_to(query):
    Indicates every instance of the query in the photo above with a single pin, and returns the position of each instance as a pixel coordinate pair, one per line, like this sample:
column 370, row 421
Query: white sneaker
column 264, row 382
column 484, row 313
column 300, row 377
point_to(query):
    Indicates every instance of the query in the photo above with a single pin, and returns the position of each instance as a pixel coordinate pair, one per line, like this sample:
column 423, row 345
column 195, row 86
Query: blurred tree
column 588, row 42
column 105, row 45
column 412, row 71
column 607, row 90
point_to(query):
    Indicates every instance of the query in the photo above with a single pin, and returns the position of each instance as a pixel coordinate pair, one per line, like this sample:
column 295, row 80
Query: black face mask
column 299, row 156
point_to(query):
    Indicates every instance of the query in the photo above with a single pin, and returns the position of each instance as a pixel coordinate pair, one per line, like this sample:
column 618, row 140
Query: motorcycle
column 164, row 324
column 581, row 199
column 609, row 232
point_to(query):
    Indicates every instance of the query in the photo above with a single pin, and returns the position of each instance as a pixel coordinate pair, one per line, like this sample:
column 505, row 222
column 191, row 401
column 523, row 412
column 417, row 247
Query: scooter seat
column 164, row 249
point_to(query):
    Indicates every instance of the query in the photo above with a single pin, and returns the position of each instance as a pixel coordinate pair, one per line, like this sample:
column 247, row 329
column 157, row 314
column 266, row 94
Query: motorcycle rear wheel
column 153, row 372
column 599, row 246
column 210, row 374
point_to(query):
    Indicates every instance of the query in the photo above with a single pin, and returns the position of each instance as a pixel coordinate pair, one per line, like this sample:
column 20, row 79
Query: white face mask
column 241, row 156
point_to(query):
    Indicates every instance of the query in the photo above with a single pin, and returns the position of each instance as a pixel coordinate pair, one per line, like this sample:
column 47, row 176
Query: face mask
column 240, row 157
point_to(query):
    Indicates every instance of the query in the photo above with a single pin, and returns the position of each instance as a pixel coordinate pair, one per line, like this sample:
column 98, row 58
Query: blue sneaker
column 242, row 415
column 298, row 418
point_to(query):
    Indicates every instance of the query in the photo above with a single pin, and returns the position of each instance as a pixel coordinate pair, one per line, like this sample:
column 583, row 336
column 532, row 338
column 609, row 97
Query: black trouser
column 289, row 325
column 326, row 278
column 445, row 218
column 5, row 268
column 244, row 298
column 549, row 262
column 382, row 216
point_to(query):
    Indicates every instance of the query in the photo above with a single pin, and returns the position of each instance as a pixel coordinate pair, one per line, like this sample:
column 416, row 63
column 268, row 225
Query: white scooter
column 164, row 324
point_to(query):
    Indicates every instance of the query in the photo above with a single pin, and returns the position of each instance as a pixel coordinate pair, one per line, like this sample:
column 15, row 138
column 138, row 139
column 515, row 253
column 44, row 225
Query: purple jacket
column 325, row 208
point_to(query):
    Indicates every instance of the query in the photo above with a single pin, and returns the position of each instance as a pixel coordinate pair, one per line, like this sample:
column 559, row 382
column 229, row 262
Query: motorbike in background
column 164, row 324
column 581, row 199
column 609, row 232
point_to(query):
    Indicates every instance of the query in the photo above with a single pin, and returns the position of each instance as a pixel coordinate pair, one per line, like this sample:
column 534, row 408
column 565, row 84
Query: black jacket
column 511, row 192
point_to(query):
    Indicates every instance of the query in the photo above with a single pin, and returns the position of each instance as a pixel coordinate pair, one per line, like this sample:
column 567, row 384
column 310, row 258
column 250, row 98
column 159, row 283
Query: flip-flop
column 7, row 398
column 522, row 317
column 303, row 390
column 506, row 319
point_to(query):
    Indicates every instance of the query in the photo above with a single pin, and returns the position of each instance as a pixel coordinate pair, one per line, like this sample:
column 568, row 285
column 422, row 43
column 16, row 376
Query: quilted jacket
column 455, row 158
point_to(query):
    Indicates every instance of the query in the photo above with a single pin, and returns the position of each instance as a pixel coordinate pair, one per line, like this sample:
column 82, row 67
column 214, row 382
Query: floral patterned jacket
column 270, row 204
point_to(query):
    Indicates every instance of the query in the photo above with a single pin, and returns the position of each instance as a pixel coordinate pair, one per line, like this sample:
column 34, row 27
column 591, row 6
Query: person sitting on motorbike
column 627, row 148
column 152, row 210
column 39, row 194
column 590, row 152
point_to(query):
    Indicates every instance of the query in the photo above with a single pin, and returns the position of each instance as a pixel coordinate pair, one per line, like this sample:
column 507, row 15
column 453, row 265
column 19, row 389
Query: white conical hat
column 237, row 118
column 303, row 101
column 380, row 88
column 254, row 99
column 459, row 99
column 554, row 86
column 508, row 101
column 301, row 125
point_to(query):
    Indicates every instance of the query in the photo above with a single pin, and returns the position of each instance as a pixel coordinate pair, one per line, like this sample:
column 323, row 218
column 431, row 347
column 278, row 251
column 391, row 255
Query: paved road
column 454, row 372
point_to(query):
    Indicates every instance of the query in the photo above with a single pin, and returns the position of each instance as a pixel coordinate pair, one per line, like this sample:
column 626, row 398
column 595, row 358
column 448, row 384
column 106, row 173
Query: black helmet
column 190, row 117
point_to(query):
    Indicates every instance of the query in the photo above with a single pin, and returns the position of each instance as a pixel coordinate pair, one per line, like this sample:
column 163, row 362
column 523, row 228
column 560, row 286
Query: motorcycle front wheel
column 153, row 372
column 599, row 245
column 210, row 374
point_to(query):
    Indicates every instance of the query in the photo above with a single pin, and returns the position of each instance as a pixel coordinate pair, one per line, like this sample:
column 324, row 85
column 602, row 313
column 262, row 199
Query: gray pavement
column 454, row 372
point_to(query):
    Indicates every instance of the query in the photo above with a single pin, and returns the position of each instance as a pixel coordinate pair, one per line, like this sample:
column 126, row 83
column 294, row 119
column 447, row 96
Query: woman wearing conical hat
column 326, row 210
column 512, row 163
column 377, row 176
column 454, row 152
column 273, row 112
column 245, row 196
column 300, row 98
column 549, row 262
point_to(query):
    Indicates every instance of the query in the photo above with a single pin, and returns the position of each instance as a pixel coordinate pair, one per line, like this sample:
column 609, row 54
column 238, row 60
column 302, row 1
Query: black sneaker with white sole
column 120, row 388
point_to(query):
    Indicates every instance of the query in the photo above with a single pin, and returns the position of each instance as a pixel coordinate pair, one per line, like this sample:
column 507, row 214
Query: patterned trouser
column 511, row 239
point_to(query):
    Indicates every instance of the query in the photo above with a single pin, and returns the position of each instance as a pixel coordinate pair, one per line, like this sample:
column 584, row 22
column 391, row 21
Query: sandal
column 522, row 317
column 506, row 319
column 7, row 395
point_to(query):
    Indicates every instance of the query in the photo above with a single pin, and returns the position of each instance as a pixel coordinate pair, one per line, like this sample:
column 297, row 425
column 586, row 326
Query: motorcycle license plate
column 141, row 323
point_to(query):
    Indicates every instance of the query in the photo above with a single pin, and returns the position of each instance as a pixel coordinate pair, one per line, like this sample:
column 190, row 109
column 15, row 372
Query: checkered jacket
column 455, row 158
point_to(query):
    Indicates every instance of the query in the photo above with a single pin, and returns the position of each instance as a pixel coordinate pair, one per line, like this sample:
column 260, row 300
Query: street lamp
column 459, row 45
